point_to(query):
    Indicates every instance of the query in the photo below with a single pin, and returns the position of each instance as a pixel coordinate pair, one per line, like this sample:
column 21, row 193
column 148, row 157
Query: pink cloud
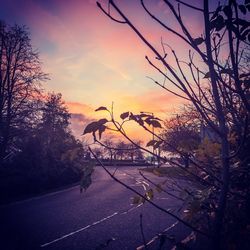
column 78, row 123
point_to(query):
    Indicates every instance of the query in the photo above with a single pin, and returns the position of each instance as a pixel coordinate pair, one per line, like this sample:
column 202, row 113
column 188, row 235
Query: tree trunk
column 218, row 222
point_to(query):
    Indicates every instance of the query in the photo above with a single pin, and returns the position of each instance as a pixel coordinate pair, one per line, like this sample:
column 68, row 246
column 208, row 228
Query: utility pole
column 153, row 131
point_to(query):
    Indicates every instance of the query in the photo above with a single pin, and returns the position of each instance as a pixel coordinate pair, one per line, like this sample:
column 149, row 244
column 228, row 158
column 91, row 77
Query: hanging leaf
column 101, row 108
column 219, row 8
column 243, row 9
column 152, row 119
column 155, row 124
column 91, row 127
column 94, row 136
column 86, row 174
column 144, row 115
column 207, row 75
column 101, row 130
column 226, row 71
column 198, row 41
column 150, row 194
column 156, row 118
column 140, row 121
column 132, row 116
column 148, row 120
column 124, row 115
column 102, row 121
column 242, row 22
column 151, row 143
column 217, row 23
column 94, row 126
column 157, row 144
column 220, row 24
column 137, row 118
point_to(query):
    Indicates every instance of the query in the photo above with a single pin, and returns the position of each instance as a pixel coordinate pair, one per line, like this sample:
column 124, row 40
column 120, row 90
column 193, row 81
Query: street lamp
column 153, row 132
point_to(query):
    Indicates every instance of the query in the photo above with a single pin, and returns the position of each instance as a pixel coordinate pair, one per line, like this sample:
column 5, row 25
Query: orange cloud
column 79, row 108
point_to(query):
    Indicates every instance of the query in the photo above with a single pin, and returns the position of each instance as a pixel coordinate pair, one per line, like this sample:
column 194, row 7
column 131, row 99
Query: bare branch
column 108, row 14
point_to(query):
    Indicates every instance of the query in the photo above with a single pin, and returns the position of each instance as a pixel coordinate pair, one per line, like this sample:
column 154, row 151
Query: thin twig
column 142, row 233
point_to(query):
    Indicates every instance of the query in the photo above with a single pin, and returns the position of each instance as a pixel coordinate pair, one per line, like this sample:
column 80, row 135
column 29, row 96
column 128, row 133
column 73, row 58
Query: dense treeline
column 48, row 157
column 37, row 150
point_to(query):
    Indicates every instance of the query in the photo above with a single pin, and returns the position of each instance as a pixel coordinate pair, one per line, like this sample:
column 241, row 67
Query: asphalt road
column 101, row 218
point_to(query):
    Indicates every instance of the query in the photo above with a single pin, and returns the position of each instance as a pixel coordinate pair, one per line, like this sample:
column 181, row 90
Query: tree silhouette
column 20, row 76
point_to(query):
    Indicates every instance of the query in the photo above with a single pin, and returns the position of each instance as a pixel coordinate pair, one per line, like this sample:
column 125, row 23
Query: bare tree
column 20, row 75
column 121, row 152
column 213, row 80
column 109, row 149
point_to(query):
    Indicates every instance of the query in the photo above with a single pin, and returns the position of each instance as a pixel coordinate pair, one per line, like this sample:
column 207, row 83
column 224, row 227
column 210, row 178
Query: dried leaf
column 155, row 124
column 101, row 108
column 102, row 121
column 243, row 9
column 101, row 130
column 150, row 194
column 207, row 75
column 198, row 41
column 151, row 143
column 124, row 115
column 91, row 127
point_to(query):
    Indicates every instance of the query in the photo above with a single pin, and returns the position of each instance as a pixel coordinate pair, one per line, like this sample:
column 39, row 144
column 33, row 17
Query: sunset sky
column 92, row 60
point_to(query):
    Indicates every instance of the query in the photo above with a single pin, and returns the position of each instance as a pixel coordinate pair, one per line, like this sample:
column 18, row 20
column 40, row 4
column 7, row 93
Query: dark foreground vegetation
column 47, row 157
column 37, row 149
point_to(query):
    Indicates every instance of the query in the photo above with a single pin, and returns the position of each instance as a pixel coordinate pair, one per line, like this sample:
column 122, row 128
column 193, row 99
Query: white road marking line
column 144, row 182
column 157, row 236
column 79, row 230
column 131, row 209
column 88, row 226
column 144, row 187
column 138, row 181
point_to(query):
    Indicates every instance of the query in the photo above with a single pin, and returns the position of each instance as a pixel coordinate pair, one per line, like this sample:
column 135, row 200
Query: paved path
column 101, row 218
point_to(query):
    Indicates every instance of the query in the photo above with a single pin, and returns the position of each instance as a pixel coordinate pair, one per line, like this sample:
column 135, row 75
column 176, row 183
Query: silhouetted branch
column 189, row 5
column 164, row 25
column 108, row 14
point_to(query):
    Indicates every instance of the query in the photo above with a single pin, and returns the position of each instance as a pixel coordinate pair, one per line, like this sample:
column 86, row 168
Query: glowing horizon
column 94, row 61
